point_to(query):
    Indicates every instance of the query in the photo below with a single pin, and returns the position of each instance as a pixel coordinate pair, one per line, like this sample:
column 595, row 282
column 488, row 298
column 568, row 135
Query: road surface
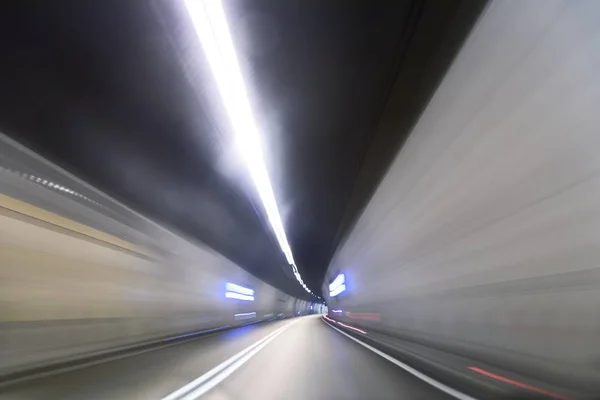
column 300, row 358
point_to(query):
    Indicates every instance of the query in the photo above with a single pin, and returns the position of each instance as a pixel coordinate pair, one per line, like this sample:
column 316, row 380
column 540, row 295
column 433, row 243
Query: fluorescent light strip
column 238, row 296
column 212, row 29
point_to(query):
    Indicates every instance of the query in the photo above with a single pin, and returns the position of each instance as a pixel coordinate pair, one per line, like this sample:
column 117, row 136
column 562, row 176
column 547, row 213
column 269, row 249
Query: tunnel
column 300, row 200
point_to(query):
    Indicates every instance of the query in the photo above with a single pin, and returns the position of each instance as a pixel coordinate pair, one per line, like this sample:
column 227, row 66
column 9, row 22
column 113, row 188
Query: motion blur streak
column 352, row 328
column 483, row 239
column 207, row 381
column 471, row 273
column 213, row 30
column 442, row 387
column 365, row 316
column 243, row 316
column 232, row 287
column 232, row 365
column 80, row 279
column 237, row 296
column 519, row 384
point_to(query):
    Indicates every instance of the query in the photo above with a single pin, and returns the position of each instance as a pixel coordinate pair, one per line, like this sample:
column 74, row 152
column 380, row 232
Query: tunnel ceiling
column 119, row 93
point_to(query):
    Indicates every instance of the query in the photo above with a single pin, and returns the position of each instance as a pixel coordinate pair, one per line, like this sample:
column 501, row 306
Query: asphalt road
column 301, row 358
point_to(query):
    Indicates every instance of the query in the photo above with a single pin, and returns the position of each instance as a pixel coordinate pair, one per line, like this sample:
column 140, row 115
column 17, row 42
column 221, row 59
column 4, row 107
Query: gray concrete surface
column 483, row 239
column 307, row 361
column 149, row 375
column 313, row 361
column 81, row 274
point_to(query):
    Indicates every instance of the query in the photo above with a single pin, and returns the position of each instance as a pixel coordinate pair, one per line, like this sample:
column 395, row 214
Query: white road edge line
column 212, row 378
column 197, row 336
column 444, row 388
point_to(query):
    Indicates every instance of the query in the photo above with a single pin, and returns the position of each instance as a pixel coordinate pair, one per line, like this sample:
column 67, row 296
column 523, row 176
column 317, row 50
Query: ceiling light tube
column 212, row 28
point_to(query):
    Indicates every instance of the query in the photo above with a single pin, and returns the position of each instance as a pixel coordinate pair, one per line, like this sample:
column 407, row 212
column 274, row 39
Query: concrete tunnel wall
column 81, row 274
column 483, row 239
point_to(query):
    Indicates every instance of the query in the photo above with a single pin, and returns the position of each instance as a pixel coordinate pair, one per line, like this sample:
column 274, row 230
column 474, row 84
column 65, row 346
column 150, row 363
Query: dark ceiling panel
column 100, row 89
column 426, row 53
column 339, row 89
column 119, row 93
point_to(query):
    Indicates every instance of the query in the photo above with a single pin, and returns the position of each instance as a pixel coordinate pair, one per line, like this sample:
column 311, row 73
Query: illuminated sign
column 244, row 316
column 238, row 292
column 337, row 286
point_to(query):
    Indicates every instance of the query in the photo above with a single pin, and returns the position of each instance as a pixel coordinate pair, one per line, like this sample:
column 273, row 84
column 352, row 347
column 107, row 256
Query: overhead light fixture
column 212, row 28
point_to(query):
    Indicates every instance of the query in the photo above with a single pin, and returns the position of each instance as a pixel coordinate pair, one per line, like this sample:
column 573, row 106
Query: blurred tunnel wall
column 484, row 237
column 81, row 274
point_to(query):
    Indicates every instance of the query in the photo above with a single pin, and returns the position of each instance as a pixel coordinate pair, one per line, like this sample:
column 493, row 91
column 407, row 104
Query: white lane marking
column 197, row 336
column 210, row 379
column 62, row 370
column 446, row 389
